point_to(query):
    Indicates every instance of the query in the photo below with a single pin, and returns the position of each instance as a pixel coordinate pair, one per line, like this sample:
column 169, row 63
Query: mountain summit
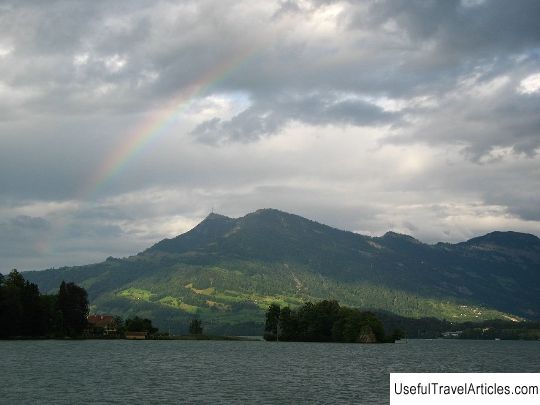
column 506, row 240
column 228, row 270
column 266, row 234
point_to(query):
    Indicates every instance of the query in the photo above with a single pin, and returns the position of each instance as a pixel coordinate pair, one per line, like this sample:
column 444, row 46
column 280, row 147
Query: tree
column 52, row 316
column 15, row 279
column 10, row 305
column 72, row 304
column 137, row 324
column 4, row 310
column 25, row 312
column 120, row 326
column 326, row 314
column 33, row 311
column 324, row 321
column 288, row 321
column 272, row 322
column 375, row 325
column 21, row 309
column 195, row 327
column 397, row 334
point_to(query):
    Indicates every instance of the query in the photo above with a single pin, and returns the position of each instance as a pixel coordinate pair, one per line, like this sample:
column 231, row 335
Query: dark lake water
column 172, row 372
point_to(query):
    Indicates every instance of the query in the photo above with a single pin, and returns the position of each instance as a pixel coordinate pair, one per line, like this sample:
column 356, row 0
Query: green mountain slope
column 227, row 271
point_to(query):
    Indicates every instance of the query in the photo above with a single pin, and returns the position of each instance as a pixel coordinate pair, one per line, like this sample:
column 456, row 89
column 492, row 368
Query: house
column 102, row 325
column 136, row 335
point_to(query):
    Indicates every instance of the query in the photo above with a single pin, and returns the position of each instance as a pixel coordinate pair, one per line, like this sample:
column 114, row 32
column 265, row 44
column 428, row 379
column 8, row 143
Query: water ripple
column 172, row 372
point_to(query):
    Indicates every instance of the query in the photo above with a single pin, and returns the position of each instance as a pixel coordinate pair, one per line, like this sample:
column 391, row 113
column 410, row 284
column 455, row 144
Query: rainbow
column 149, row 130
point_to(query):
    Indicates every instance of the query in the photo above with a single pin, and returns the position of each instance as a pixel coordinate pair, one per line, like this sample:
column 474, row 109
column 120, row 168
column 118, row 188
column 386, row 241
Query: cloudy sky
column 125, row 122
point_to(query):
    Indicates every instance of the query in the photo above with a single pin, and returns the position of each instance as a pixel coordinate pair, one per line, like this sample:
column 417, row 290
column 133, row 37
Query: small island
column 324, row 321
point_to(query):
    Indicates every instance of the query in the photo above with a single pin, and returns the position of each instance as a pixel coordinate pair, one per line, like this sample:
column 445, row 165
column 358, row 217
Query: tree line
column 24, row 312
column 324, row 321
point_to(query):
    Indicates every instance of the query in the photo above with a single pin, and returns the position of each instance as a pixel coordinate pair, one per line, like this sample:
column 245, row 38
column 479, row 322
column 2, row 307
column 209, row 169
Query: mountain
column 227, row 271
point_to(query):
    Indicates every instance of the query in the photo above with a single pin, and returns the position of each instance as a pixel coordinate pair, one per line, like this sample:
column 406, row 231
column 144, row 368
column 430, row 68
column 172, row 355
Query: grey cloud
column 20, row 236
column 287, row 7
column 519, row 193
column 411, row 227
column 181, row 50
column 424, row 46
column 96, row 228
column 482, row 29
column 480, row 123
column 523, row 204
column 29, row 223
column 268, row 117
column 506, row 182
column 166, row 46
column 55, row 159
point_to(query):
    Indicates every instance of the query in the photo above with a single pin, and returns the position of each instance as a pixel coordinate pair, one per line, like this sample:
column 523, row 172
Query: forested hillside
column 227, row 271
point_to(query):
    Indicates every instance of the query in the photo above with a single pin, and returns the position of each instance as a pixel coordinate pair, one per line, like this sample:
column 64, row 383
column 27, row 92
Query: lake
column 169, row 372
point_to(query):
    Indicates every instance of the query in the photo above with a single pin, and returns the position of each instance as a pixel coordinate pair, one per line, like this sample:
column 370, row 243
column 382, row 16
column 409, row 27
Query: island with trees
column 324, row 321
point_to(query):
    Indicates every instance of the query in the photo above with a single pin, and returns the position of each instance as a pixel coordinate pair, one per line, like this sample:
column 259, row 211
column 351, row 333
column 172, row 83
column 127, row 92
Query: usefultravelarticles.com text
column 442, row 388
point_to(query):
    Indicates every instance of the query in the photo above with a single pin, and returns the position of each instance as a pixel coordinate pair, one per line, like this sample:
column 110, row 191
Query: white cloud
column 530, row 85
column 104, row 89
column 147, row 78
column 81, row 59
column 6, row 50
column 114, row 63
column 472, row 3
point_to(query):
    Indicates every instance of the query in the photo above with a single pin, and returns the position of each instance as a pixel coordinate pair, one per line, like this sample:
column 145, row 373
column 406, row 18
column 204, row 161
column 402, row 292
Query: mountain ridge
column 228, row 269
column 493, row 237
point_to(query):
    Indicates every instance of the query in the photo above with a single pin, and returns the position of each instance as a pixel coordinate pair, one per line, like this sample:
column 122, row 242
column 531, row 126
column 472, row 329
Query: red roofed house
column 102, row 325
